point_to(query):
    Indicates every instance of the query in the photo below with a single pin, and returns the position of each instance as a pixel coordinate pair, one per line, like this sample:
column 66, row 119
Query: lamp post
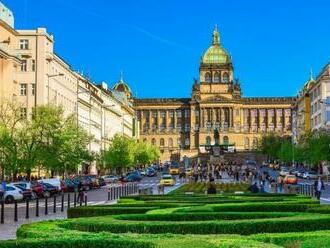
column 52, row 76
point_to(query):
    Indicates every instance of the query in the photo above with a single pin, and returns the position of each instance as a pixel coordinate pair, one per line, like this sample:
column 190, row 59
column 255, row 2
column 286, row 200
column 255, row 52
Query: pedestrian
column 318, row 187
column 80, row 192
column 279, row 184
column 211, row 189
column 2, row 192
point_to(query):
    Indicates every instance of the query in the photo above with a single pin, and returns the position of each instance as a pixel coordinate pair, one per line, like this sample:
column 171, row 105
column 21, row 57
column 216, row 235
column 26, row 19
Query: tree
column 318, row 144
column 270, row 145
column 146, row 153
column 120, row 153
column 11, row 121
column 285, row 152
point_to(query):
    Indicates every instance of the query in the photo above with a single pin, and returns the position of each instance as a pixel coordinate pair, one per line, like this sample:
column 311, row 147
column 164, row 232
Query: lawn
column 192, row 221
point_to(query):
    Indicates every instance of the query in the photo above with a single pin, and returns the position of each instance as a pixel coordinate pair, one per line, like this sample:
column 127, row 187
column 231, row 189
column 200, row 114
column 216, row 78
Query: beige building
column 32, row 74
column 183, row 126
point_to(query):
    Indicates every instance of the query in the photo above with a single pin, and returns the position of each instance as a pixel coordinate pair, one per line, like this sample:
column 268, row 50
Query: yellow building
column 182, row 126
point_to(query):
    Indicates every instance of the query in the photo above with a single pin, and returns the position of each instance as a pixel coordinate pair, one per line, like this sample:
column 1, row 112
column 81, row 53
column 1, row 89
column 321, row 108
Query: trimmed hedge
column 245, row 227
column 100, row 211
column 202, row 216
column 76, row 243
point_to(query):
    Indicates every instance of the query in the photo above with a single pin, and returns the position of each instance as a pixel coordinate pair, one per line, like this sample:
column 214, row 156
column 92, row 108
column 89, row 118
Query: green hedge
column 202, row 216
column 100, row 211
column 76, row 243
column 288, row 224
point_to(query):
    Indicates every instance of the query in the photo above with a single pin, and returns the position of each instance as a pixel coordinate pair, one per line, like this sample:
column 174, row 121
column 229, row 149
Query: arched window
column 153, row 141
column 162, row 142
column 170, row 142
column 187, row 142
column 208, row 140
column 246, row 143
column 208, row 77
column 225, row 140
column 216, row 78
column 225, row 77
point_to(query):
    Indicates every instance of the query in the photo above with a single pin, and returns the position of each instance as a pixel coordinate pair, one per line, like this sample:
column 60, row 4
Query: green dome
column 216, row 54
column 121, row 86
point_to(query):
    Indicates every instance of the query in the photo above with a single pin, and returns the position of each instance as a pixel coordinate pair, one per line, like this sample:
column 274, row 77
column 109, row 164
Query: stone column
column 175, row 119
column 142, row 120
column 205, row 117
column 214, row 116
column 150, row 120
column 166, row 119
column 158, row 119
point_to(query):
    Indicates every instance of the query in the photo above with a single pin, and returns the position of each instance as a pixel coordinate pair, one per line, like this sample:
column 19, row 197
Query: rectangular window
column 24, row 65
column 23, row 112
column 33, row 65
column 23, row 90
column 24, row 44
column 171, row 114
column 178, row 113
column 33, row 89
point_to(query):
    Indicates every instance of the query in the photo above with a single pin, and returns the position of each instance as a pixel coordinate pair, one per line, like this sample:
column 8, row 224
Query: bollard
column 68, row 200
column 75, row 200
column 27, row 215
column 109, row 193
column 112, row 197
column 37, row 207
column 85, row 193
column 81, row 198
column 54, row 207
column 15, row 212
column 46, row 205
column 2, row 215
column 62, row 203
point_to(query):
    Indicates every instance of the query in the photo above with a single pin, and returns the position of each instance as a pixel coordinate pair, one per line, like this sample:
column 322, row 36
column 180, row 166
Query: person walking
column 318, row 187
column 2, row 192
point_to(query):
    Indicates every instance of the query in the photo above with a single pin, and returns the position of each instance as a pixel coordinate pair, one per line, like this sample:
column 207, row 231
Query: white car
column 110, row 179
column 12, row 194
column 284, row 172
column 310, row 175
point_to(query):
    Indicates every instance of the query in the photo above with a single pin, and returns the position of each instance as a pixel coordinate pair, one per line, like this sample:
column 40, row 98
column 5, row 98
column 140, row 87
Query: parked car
column 53, row 181
column 167, row 180
column 143, row 172
column 70, row 185
column 132, row 177
column 110, row 179
column 37, row 188
column 290, row 179
column 150, row 172
column 101, row 181
column 49, row 189
column 284, row 172
column 12, row 194
column 310, row 175
column 27, row 193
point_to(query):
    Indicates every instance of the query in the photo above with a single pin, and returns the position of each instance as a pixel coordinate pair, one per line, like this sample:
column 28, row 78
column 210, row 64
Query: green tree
column 318, row 144
column 270, row 145
column 146, row 153
column 285, row 153
column 121, row 153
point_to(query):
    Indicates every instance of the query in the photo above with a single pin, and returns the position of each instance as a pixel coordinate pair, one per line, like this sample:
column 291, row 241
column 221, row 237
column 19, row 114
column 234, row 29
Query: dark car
column 27, row 193
column 70, row 184
column 150, row 172
column 133, row 177
column 49, row 190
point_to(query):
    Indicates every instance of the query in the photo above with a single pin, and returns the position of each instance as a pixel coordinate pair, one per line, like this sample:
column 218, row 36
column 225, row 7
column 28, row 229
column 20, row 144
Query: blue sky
column 158, row 44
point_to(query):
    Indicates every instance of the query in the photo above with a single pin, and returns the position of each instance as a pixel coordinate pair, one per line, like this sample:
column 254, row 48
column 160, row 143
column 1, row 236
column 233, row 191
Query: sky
column 158, row 44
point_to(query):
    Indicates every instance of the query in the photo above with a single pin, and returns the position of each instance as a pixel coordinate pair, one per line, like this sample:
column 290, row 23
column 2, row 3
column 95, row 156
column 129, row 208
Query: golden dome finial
column 216, row 37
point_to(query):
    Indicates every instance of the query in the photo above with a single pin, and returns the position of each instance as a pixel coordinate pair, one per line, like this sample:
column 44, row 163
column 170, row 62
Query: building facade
column 313, row 105
column 183, row 126
column 32, row 74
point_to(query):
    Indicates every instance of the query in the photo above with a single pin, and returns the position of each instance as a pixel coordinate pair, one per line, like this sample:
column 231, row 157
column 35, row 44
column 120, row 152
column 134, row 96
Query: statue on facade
column 216, row 136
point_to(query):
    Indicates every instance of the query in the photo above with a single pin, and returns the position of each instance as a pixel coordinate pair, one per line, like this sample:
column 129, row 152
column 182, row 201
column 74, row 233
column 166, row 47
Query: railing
column 58, row 203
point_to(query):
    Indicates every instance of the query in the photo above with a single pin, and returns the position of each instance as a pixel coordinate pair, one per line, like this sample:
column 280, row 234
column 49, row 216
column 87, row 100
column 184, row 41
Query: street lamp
column 52, row 76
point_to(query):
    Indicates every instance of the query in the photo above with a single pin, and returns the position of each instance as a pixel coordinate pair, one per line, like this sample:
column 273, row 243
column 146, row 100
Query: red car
column 37, row 188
